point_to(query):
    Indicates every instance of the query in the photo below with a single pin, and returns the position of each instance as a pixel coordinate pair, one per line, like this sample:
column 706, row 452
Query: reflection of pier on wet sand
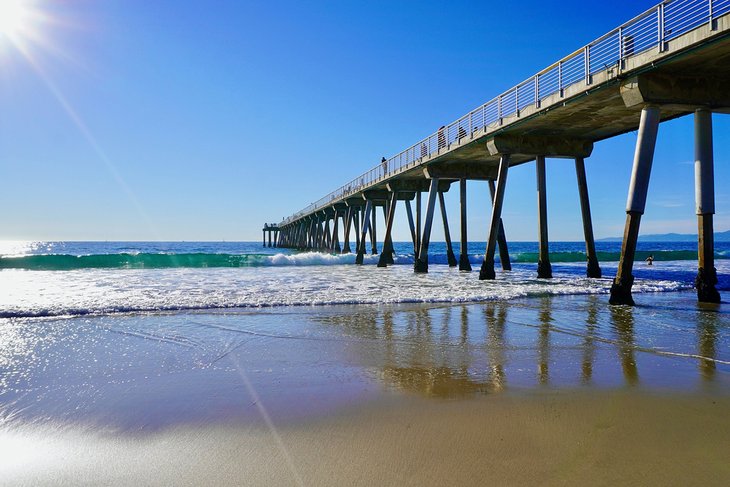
column 471, row 349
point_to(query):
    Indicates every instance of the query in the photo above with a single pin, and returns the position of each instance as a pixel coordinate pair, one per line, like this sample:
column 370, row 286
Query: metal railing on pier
column 649, row 30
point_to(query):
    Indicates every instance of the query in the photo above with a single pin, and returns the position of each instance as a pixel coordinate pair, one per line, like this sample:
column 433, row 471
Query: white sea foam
column 332, row 280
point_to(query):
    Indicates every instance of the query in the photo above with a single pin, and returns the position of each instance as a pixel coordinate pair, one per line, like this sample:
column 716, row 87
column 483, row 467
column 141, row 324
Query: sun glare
column 14, row 17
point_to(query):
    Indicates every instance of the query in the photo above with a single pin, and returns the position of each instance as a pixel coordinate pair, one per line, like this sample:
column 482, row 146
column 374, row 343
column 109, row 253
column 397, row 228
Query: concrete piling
column 544, row 269
column 373, row 232
column 363, row 234
column 501, row 238
column 705, row 208
column 356, row 216
column 447, row 235
column 411, row 225
column 346, row 236
column 635, row 204
column 464, row 264
column 593, row 269
column 421, row 264
column 386, row 256
column 487, row 270
column 388, row 240
column 336, row 234
column 418, row 222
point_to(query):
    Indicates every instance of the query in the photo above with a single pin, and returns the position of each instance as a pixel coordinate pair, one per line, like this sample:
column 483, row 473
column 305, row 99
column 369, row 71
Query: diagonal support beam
column 421, row 264
column 336, row 234
column 364, row 233
column 386, row 256
column 412, row 226
column 638, row 187
column 487, row 270
column 593, row 269
column 348, row 225
column 501, row 238
column 447, row 235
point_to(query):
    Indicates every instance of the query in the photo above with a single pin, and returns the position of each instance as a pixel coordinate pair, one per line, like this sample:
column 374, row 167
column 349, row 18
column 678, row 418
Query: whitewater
column 45, row 279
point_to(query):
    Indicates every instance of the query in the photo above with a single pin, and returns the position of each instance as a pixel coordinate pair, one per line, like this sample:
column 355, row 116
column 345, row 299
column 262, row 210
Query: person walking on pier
column 384, row 162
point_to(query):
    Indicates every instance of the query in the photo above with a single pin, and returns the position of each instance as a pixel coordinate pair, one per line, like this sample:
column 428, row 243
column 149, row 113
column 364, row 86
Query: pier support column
column 346, row 238
column 418, row 222
column 705, row 203
column 373, row 232
column 319, row 234
column 356, row 226
column 363, row 234
column 544, row 269
column 464, row 264
column 388, row 241
column 421, row 264
column 447, row 235
column 264, row 235
column 501, row 238
column 327, row 237
column 487, row 270
column 311, row 234
column 386, row 256
column 593, row 269
column 643, row 158
column 412, row 226
column 336, row 234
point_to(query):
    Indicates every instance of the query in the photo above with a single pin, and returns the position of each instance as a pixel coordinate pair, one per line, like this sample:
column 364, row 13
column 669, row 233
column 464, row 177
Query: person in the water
column 650, row 260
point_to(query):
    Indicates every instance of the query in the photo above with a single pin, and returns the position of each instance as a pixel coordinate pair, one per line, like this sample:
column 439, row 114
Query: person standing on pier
column 384, row 162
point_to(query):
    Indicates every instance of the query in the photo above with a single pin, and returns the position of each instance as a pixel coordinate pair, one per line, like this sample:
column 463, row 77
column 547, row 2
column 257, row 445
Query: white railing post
column 537, row 91
column 660, row 27
column 560, row 78
column 620, row 44
column 517, row 100
column 587, row 63
column 499, row 108
column 711, row 11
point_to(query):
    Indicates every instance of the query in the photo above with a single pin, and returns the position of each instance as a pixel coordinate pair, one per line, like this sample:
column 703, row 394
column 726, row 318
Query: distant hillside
column 672, row 237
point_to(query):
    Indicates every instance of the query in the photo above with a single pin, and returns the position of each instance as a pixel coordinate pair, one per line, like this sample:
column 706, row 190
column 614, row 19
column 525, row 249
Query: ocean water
column 138, row 337
column 41, row 279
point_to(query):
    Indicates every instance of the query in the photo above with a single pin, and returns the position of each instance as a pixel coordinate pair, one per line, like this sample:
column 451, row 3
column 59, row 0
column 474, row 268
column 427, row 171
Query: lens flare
column 15, row 17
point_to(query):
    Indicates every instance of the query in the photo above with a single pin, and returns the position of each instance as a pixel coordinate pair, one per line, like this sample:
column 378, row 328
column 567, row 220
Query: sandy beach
column 544, row 438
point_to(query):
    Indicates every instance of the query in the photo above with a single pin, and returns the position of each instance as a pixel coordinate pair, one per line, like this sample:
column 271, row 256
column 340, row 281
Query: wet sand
column 544, row 391
column 548, row 438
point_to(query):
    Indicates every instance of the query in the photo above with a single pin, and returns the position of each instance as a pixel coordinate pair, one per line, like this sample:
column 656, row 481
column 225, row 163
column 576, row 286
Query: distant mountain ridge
column 672, row 237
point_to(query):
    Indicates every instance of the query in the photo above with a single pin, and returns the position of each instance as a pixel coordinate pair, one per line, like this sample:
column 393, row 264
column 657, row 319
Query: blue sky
column 193, row 120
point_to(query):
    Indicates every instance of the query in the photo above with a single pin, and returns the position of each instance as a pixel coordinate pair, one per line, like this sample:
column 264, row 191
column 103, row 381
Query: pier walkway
column 670, row 61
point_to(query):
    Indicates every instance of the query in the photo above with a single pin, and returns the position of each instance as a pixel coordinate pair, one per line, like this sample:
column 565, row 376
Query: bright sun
column 14, row 17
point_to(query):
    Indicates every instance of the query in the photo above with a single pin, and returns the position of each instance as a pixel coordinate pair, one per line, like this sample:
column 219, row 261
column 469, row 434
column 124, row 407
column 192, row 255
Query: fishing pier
column 672, row 60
